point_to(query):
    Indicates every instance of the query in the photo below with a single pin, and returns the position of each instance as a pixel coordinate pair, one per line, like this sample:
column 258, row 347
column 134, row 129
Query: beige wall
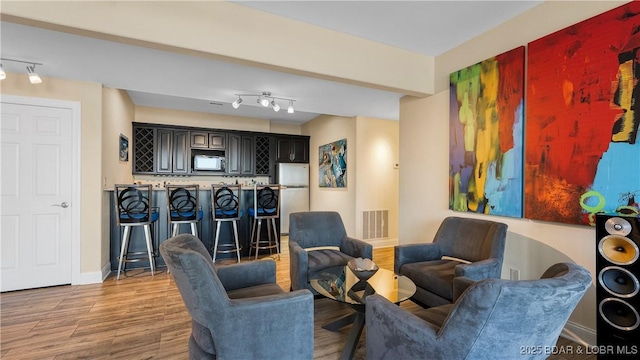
column 117, row 114
column 372, row 182
column 531, row 245
column 377, row 180
column 323, row 130
column 89, row 95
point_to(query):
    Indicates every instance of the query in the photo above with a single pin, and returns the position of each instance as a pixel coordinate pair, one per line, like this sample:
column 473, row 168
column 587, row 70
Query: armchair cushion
column 322, row 259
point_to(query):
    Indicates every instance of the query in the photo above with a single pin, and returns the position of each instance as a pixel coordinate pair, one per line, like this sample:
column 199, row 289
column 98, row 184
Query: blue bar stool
column 134, row 207
column 183, row 207
column 266, row 206
column 225, row 200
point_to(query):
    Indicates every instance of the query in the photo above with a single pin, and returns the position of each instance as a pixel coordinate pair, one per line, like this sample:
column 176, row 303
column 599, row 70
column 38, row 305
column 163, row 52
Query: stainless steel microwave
column 208, row 163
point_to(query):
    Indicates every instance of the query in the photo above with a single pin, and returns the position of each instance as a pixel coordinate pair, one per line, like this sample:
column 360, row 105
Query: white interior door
column 36, row 192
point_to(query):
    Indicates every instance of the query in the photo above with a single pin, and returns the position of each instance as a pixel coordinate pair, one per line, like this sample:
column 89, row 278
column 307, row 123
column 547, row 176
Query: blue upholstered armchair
column 473, row 248
column 318, row 240
column 492, row 319
column 238, row 311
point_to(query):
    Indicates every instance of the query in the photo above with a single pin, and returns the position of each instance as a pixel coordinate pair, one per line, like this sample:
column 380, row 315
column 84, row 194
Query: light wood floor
column 138, row 317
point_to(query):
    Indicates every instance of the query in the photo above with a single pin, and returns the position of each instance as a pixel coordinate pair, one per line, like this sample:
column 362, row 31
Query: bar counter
column 206, row 228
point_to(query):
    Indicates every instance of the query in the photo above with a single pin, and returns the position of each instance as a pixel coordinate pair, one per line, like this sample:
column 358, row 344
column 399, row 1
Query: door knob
column 64, row 205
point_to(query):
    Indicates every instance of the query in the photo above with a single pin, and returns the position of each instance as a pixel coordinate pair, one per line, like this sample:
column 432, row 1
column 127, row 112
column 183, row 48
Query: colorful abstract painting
column 332, row 161
column 582, row 148
column 485, row 136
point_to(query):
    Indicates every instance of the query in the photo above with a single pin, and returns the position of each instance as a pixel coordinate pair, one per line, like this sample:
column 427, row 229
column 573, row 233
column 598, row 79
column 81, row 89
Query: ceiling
column 163, row 79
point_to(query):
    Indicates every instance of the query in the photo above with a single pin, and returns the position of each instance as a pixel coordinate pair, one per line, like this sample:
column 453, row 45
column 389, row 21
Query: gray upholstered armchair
column 472, row 248
column 318, row 240
column 492, row 319
column 238, row 311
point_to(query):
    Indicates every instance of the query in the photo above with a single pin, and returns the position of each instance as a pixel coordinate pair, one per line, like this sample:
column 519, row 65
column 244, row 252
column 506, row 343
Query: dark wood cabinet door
column 234, row 154
column 164, row 151
column 217, row 141
column 283, row 152
column 181, row 154
column 300, row 150
column 248, row 156
column 199, row 139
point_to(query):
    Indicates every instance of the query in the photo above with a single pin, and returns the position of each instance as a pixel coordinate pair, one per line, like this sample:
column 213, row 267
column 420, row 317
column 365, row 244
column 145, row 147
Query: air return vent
column 375, row 224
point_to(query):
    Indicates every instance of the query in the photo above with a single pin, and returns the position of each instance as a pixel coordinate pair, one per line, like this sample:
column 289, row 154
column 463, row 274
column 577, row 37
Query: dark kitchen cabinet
column 241, row 155
column 172, row 153
column 208, row 140
column 292, row 149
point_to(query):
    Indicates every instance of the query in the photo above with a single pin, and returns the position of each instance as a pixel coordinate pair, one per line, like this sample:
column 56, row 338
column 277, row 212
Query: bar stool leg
column 123, row 248
column 147, row 235
column 174, row 232
column 215, row 244
column 235, row 232
column 251, row 237
column 258, row 228
column 194, row 229
column 275, row 236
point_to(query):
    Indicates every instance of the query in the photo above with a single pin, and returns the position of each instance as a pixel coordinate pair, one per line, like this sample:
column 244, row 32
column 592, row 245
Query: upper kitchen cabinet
column 208, row 140
column 241, row 155
column 292, row 149
column 172, row 151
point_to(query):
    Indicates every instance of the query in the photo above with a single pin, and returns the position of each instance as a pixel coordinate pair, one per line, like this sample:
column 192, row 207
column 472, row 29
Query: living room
column 422, row 148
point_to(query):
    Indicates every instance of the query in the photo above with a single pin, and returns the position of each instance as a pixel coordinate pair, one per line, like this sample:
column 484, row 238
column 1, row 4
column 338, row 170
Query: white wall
column 532, row 246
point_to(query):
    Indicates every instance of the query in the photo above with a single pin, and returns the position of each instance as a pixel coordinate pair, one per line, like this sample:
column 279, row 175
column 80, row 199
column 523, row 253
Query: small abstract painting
column 582, row 148
column 485, row 136
column 332, row 161
column 123, row 148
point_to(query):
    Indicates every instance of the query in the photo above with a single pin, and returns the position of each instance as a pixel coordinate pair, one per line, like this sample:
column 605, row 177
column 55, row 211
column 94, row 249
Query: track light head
column 3, row 75
column 34, row 78
column 290, row 108
column 236, row 104
column 275, row 106
column 264, row 102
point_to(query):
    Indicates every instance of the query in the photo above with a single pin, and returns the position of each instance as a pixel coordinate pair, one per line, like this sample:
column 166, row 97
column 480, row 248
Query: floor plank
column 140, row 317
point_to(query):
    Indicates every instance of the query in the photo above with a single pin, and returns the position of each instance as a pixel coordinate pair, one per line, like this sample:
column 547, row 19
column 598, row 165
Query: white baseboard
column 381, row 243
column 579, row 333
column 94, row 277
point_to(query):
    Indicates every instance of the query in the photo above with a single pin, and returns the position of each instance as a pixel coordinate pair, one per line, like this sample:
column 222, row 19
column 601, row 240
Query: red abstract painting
column 581, row 148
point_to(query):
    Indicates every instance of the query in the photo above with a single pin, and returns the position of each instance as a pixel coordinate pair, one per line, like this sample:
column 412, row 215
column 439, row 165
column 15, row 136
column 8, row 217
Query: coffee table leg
column 340, row 323
column 354, row 336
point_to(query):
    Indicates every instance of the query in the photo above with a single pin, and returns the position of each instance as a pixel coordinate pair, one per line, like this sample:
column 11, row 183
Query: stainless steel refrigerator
column 294, row 179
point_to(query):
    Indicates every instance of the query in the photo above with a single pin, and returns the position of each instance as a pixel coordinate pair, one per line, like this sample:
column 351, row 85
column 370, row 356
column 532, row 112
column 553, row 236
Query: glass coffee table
column 340, row 284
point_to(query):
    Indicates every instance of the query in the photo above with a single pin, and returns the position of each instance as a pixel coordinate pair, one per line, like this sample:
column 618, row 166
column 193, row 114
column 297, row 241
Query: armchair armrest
column 394, row 333
column 460, row 284
column 285, row 329
column 406, row 254
column 356, row 248
column 236, row 276
column 484, row 269
column 298, row 264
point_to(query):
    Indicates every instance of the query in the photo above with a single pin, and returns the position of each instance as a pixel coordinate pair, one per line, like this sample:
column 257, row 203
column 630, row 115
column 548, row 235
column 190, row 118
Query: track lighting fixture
column 275, row 106
column 34, row 78
column 265, row 99
column 236, row 104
